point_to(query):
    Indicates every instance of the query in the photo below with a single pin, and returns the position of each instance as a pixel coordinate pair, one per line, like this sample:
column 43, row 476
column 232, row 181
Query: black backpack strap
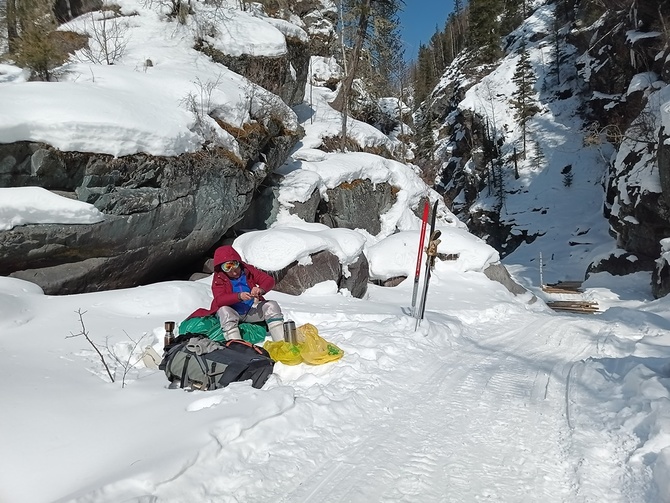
column 258, row 371
column 169, row 353
column 246, row 347
column 184, row 369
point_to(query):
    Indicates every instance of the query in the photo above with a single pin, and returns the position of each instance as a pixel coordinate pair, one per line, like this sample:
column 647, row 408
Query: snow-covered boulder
column 161, row 213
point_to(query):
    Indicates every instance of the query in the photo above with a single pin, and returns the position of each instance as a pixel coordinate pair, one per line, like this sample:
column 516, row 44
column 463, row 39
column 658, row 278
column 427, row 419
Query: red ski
column 422, row 238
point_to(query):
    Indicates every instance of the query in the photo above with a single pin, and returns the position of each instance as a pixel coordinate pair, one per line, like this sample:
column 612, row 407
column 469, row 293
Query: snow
column 35, row 205
column 633, row 36
column 493, row 397
column 81, row 111
column 322, row 69
column 267, row 39
column 642, row 81
column 526, row 402
column 278, row 247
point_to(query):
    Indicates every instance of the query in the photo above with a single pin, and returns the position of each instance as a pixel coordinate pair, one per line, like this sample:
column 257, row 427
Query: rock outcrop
column 660, row 279
column 498, row 272
column 161, row 212
column 296, row 278
column 356, row 205
column 284, row 75
column 351, row 205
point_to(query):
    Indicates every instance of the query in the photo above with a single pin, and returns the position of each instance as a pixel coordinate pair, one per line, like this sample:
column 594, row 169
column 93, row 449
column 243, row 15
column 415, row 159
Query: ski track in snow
column 503, row 431
column 519, row 395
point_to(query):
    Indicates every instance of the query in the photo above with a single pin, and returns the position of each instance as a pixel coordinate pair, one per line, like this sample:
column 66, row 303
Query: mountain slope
column 568, row 183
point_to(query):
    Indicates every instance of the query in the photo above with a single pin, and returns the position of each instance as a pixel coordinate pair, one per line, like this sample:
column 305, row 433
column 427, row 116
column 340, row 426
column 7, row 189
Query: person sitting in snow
column 238, row 290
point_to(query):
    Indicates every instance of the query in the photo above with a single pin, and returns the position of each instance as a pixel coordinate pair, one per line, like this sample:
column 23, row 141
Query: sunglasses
column 230, row 265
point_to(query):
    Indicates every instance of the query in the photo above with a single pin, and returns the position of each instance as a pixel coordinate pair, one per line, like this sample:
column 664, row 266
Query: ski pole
column 422, row 238
column 422, row 301
column 431, row 251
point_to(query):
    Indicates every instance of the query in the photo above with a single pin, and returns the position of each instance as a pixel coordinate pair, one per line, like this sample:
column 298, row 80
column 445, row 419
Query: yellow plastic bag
column 316, row 350
column 282, row 351
column 312, row 348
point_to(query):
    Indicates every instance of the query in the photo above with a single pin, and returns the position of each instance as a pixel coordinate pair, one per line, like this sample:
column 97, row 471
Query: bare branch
column 84, row 332
column 126, row 363
column 108, row 40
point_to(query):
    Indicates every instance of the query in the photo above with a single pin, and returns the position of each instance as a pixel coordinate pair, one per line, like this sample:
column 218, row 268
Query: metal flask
column 169, row 333
column 290, row 335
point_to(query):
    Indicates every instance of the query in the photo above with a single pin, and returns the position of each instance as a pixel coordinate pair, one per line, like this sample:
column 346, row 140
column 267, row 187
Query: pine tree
column 30, row 36
column 455, row 32
column 425, row 77
column 512, row 16
column 385, row 46
column 522, row 102
column 484, row 29
column 437, row 55
column 363, row 11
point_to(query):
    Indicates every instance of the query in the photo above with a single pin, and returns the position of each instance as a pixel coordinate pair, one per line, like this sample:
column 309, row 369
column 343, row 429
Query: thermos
column 169, row 333
column 290, row 332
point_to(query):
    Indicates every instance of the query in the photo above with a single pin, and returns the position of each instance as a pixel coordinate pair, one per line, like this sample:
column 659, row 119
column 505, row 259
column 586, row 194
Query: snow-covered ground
column 493, row 398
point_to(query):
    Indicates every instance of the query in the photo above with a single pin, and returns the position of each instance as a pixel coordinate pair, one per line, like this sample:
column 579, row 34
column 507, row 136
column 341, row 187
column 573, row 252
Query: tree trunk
column 345, row 115
column 12, row 26
column 339, row 103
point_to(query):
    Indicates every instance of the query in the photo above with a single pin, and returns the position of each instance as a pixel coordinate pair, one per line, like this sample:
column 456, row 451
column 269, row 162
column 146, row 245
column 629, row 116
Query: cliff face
column 607, row 69
column 162, row 213
column 164, row 210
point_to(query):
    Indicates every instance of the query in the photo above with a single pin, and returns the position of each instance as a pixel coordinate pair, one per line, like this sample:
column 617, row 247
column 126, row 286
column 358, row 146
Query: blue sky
column 418, row 20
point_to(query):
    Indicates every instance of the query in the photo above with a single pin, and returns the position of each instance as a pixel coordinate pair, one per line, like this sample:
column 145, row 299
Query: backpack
column 196, row 361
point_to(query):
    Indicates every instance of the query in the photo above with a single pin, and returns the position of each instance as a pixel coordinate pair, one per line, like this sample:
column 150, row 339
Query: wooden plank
column 576, row 306
column 567, row 284
column 552, row 289
column 588, row 307
column 563, row 287
column 573, row 303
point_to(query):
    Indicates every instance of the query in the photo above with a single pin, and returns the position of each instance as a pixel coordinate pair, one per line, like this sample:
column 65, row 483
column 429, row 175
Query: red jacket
column 221, row 286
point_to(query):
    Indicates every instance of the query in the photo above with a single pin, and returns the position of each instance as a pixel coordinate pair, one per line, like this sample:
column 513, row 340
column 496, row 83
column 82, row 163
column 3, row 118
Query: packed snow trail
column 475, row 406
column 491, row 425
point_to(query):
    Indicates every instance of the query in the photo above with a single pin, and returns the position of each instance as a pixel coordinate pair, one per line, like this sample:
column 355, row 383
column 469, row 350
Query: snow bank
column 35, row 205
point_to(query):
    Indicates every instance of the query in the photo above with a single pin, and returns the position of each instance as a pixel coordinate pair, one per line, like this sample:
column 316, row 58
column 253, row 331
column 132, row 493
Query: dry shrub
column 232, row 158
column 351, row 185
column 69, row 42
column 248, row 129
column 218, row 152
column 334, row 144
column 38, row 51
